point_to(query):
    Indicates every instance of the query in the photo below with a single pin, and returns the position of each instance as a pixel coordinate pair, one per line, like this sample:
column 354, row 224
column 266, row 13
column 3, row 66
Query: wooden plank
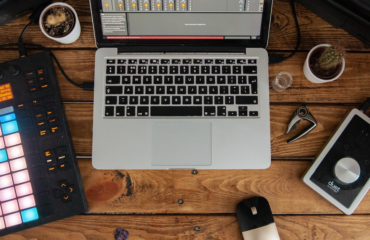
column 352, row 87
column 209, row 191
column 328, row 117
column 182, row 228
column 314, row 30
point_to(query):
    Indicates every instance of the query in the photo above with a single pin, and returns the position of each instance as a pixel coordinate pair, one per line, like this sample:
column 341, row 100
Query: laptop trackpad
column 181, row 144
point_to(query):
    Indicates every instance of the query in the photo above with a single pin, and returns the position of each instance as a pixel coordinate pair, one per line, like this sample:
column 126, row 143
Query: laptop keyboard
column 169, row 87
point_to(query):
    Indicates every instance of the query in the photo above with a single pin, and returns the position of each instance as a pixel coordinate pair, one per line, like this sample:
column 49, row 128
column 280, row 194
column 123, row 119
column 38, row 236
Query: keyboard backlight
column 13, row 139
column 15, row 152
column 18, row 164
column 21, row 177
column 10, row 207
column 6, row 181
column 2, row 145
column 26, row 202
column 4, row 168
column 2, row 225
column 9, row 127
column 13, row 219
column 3, row 156
column 7, row 194
column 23, row 189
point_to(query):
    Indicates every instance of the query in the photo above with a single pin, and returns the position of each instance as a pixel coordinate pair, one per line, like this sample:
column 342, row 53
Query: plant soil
column 63, row 28
column 317, row 70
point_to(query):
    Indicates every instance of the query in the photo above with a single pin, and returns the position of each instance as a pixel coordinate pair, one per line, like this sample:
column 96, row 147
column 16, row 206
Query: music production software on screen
column 181, row 19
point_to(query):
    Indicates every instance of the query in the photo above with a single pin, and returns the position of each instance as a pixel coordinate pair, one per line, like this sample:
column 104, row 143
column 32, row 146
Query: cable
column 278, row 58
column 21, row 48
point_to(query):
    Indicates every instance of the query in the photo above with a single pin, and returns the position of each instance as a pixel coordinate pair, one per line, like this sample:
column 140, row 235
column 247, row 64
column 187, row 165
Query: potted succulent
column 324, row 63
column 59, row 21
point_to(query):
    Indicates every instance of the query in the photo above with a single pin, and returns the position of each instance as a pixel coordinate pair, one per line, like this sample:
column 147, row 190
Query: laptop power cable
column 278, row 58
column 34, row 18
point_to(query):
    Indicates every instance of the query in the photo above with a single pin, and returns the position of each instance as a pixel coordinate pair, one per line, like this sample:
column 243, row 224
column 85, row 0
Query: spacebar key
column 175, row 111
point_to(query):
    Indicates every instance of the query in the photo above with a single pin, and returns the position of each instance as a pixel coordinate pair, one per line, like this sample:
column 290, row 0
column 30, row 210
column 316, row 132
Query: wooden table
column 146, row 202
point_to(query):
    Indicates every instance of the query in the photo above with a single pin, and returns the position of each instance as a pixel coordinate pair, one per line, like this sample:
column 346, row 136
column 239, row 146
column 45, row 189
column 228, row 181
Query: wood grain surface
column 146, row 202
column 283, row 31
column 157, row 227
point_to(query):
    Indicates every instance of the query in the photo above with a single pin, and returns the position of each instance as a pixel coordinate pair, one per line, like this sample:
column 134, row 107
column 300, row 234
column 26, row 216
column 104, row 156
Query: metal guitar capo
column 301, row 113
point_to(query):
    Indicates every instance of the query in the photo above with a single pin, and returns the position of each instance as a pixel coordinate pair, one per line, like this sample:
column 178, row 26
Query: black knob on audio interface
column 14, row 70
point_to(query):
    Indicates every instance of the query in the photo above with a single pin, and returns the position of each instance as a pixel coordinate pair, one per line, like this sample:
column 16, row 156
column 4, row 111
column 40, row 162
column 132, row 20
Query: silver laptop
column 181, row 84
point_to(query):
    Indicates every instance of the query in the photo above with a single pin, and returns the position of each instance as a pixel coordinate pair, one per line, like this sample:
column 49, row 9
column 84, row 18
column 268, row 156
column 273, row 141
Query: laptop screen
column 135, row 21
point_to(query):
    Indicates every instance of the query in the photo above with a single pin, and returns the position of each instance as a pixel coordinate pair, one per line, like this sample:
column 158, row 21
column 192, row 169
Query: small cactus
column 331, row 57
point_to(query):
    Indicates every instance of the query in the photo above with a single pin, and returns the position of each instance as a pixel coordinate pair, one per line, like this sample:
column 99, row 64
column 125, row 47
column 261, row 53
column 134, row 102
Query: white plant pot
column 312, row 77
column 73, row 35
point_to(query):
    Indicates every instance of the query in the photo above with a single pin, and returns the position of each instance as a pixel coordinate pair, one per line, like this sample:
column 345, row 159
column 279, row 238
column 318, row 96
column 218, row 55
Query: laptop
column 181, row 84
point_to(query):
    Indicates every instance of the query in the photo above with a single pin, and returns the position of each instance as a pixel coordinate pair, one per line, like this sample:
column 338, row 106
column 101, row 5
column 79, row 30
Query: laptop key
column 202, row 89
column 194, row 69
column 205, row 69
column 192, row 90
column 121, row 70
column 139, row 89
column 244, row 89
column 181, row 90
column 208, row 61
column 111, row 100
column 186, row 61
column 179, row 80
column 253, row 83
column 231, row 113
column 226, row 69
column 121, row 61
column 176, row 100
column 221, row 111
column 149, row 90
column 224, row 89
column 216, row 70
column 160, row 90
column 132, row 61
column 147, row 80
column 242, row 79
column 237, row 69
column 186, row 100
column 131, row 111
column 143, row 61
column 111, row 61
column 158, row 80
column 241, row 61
column 220, row 61
column 171, row 90
column 189, row 80
column 246, row 100
column 209, row 111
column 136, row 80
column 178, row 111
column 111, row 69
column 131, row 69
column 113, row 89
column 234, row 89
column 112, row 80
column 221, row 80
column 142, row 69
column 153, row 69
column 142, row 111
column 229, row 100
column 231, row 79
column 176, row 61
column 123, row 100
column 253, row 113
column 230, row 61
column 211, row 79
column 165, row 61
column 163, row 69
column 197, row 100
column 109, row 111
column 219, row 100
column 126, row 80
column 252, row 61
column 174, row 69
column 199, row 80
column 213, row 90
column 168, row 79
column 184, row 69
column 208, row 100
column 165, row 100
column 134, row 100
column 120, row 111
column 154, row 61
column 154, row 100
column 129, row 90
column 250, row 69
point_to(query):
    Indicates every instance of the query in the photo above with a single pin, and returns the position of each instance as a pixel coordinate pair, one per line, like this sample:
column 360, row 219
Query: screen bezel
column 181, row 45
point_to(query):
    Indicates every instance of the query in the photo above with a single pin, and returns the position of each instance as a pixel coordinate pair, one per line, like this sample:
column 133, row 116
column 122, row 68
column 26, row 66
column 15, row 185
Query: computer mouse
column 256, row 220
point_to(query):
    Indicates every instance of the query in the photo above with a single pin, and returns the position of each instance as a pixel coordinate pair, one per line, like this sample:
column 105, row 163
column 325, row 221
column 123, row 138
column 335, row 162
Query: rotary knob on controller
column 14, row 70
column 347, row 170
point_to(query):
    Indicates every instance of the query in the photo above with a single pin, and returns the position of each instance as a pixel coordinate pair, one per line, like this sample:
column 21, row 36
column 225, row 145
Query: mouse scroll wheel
column 254, row 210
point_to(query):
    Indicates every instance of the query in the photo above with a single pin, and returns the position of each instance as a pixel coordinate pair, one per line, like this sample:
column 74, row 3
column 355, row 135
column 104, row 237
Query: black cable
column 21, row 48
column 277, row 58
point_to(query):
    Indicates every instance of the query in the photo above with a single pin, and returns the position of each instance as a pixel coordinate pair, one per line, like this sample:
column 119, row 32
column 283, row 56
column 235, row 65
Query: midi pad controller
column 39, row 176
